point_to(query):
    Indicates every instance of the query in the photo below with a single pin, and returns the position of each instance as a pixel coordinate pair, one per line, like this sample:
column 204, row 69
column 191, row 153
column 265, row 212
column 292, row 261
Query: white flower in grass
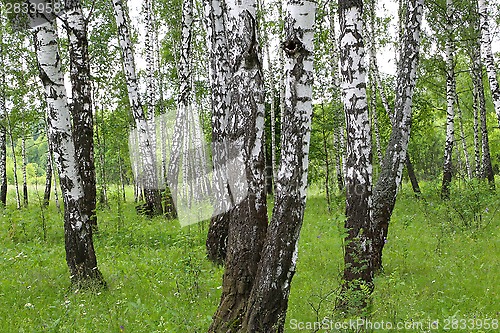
column 29, row 306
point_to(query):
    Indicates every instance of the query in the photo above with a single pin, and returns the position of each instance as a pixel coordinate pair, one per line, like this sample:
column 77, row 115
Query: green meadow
column 441, row 271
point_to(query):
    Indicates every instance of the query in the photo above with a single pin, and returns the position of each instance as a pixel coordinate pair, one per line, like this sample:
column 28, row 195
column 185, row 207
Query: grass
column 437, row 266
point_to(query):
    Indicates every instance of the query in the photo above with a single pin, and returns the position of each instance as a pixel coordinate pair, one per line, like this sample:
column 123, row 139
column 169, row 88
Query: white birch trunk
column 80, row 255
column 184, row 100
column 3, row 130
column 487, row 55
column 386, row 189
column 358, row 178
column 147, row 175
column 477, row 144
column 486, row 169
column 338, row 135
column 373, row 68
column 25, row 178
column 268, row 301
column 450, row 104
column 81, row 108
column 463, row 140
column 221, row 100
column 3, row 161
column 246, row 167
column 14, row 160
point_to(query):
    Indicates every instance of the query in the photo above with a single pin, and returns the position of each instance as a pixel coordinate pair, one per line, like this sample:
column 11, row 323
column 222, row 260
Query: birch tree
column 386, row 188
column 450, row 102
column 220, row 97
column 80, row 254
column 358, row 179
column 25, row 162
column 245, row 135
column 148, row 176
column 184, row 99
column 266, row 310
column 3, row 130
column 3, row 165
column 485, row 169
column 81, row 106
column 487, row 55
column 338, row 135
column 10, row 133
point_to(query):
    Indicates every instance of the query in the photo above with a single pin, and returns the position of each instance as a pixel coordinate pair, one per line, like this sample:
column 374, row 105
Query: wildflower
column 29, row 306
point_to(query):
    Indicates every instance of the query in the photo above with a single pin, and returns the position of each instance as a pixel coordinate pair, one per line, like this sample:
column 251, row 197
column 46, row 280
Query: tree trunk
column 101, row 144
column 25, row 178
column 267, row 306
column 373, row 109
column 450, row 101
column 272, row 173
column 184, row 105
column 14, row 160
column 246, row 171
column 48, row 178
column 477, row 149
column 326, row 153
column 372, row 78
column 339, row 124
column 487, row 55
column 81, row 106
column 486, row 171
column 148, row 177
column 463, row 140
column 357, row 264
column 3, row 161
column 476, row 76
column 80, row 254
column 377, row 82
column 3, row 130
column 412, row 176
column 386, row 188
column 219, row 77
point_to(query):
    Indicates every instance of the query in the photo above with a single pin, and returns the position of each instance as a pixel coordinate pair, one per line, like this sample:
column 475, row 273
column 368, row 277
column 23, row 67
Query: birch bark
column 220, row 96
column 25, row 176
column 486, row 169
column 266, row 310
column 81, row 106
column 3, row 130
column 80, row 254
column 487, row 55
column 357, row 264
column 14, row 158
column 246, row 171
column 184, row 102
column 450, row 103
column 3, row 161
column 386, row 188
column 148, row 176
column 338, row 134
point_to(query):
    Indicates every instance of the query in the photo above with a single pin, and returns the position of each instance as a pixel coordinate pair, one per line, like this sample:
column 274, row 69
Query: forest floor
column 441, row 272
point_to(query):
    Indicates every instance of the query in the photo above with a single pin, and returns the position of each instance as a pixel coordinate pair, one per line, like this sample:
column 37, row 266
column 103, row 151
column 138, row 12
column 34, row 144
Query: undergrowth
column 441, row 261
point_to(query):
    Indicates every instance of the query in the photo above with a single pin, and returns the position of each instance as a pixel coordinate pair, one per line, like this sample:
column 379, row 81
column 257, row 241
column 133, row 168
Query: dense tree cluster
column 288, row 93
